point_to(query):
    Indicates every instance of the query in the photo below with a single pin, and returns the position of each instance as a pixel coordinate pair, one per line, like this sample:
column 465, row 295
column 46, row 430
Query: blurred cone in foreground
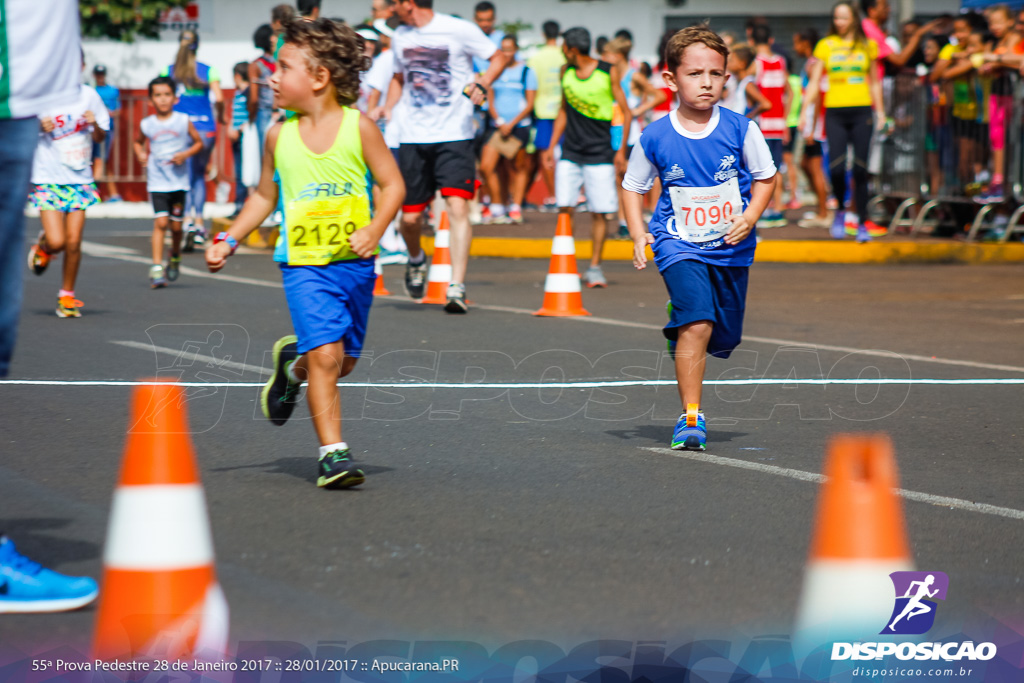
column 859, row 538
column 440, row 273
column 159, row 596
column 562, row 296
column 378, row 286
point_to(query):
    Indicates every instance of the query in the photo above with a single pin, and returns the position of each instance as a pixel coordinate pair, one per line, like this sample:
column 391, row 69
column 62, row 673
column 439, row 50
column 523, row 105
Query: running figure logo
column 725, row 169
column 914, row 613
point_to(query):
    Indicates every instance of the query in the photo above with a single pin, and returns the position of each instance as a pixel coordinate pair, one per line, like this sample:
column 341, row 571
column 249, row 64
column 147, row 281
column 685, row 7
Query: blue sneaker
column 26, row 586
column 690, row 437
column 838, row 229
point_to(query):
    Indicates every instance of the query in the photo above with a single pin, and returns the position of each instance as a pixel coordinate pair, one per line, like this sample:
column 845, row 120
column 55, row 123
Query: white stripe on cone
column 377, row 268
column 441, row 239
column 563, row 245
column 562, row 282
column 440, row 272
column 158, row 527
column 845, row 600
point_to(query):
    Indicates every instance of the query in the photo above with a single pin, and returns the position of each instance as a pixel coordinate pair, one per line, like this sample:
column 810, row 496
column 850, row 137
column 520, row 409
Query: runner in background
column 171, row 139
column 196, row 83
column 772, row 79
column 111, row 97
column 435, row 84
column 589, row 89
column 546, row 63
column 63, row 187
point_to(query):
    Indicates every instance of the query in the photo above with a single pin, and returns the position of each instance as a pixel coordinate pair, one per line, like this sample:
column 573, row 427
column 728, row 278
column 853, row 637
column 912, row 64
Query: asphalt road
column 495, row 515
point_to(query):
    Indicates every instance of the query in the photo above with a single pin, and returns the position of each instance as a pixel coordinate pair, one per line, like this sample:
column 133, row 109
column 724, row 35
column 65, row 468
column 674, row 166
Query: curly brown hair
column 337, row 48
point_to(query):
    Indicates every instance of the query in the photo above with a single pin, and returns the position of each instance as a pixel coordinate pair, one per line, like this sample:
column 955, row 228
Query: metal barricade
column 902, row 172
column 964, row 155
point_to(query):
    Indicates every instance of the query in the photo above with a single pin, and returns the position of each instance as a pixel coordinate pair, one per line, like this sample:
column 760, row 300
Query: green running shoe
column 337, row 471
column 280, row 394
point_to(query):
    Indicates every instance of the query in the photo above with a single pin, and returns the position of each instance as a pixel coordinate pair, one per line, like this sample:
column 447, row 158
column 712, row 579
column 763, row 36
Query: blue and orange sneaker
column 690, row 433
column 27, row 586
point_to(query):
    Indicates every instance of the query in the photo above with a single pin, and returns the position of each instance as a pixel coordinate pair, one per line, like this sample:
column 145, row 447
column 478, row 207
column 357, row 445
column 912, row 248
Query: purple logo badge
column 916, row 592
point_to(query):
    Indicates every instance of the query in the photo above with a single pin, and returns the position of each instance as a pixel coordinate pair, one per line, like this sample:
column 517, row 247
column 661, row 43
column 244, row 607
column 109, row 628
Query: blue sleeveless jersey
column 196, row 102
column 707, row 162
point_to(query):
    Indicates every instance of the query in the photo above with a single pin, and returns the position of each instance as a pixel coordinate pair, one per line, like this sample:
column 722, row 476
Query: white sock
column 340, row 446
column 291, row 373
column 419, row 259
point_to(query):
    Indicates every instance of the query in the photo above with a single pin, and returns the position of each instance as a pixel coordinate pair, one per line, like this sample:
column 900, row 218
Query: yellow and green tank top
column 326, row 196
column 588, row 124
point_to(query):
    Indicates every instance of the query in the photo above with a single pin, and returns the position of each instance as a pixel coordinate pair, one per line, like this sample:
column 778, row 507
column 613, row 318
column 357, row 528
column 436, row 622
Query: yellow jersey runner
column 327, row 197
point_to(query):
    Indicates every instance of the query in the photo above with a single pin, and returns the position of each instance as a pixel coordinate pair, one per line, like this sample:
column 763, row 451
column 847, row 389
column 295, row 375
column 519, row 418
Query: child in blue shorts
column 327, row 157
column 717, row 177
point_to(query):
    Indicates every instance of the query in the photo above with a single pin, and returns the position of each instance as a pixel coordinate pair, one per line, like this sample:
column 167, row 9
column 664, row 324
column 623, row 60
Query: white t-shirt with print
column 436, row 62
column 64, row 155
column 166, row 138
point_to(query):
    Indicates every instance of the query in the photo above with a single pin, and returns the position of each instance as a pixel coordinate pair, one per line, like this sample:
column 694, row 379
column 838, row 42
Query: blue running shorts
column 330, row 303
column 701, row 291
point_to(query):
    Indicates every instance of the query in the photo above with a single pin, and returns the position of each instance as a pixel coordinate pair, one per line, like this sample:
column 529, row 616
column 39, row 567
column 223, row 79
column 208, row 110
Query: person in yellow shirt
column 547, row 63
column 847, row 57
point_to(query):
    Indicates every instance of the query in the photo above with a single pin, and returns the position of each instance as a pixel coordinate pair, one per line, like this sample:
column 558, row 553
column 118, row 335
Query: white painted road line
column 125, row 254
column 214, row 362
column 800, row 475
column 1014, row 381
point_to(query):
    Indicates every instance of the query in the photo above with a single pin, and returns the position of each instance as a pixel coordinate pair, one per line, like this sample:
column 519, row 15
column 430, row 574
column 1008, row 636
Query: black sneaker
column 337, row 471
column 280, row 394
column 415, row 279
column 456, row 299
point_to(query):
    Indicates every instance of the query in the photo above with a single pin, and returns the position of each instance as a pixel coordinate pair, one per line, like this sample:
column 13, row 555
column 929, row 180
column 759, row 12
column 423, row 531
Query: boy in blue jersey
column 717, row 177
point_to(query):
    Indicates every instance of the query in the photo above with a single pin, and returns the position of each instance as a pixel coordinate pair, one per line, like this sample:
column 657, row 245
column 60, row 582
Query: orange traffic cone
column 160, row 597
column 378, row 286
column 859, row 539
column 440, row 273
column 562, row 296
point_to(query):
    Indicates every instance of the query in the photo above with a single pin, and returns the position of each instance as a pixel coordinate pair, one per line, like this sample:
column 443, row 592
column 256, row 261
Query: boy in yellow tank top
column 325, row 156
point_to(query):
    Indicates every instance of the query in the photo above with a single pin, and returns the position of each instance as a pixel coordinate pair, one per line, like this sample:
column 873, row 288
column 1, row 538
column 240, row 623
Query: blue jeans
column 262, row 124
column 17, row 146
column 195, row 200
column 241, row 191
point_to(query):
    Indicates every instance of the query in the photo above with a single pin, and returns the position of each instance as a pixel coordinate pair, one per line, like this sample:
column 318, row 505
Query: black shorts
column 812, row 149
column 972, row 130
column 169, row 204
column 446, row 166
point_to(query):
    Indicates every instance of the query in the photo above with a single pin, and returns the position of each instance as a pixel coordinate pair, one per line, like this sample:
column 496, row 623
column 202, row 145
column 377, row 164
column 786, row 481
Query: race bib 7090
column 702, row 214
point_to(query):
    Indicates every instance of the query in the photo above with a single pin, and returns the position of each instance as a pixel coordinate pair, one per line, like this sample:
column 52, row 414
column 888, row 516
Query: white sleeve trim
column 756, row 155
column 641, row 173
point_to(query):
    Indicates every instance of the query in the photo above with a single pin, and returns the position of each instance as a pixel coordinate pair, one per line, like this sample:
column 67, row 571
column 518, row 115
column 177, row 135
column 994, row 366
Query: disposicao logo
column 914, row 614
